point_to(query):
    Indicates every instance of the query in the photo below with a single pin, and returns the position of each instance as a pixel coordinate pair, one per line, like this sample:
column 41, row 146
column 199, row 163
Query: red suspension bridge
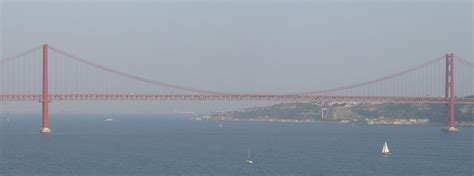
column 47, row 74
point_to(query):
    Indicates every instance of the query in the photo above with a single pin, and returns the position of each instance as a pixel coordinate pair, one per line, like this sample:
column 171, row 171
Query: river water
column 172, row 145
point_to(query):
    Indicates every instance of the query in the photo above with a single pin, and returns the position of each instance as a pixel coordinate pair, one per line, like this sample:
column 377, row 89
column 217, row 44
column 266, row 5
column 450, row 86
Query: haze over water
column 175, row 145
column 255, row 46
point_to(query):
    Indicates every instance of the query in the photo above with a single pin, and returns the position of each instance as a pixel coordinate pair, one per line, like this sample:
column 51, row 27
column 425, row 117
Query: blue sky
column 263, row 46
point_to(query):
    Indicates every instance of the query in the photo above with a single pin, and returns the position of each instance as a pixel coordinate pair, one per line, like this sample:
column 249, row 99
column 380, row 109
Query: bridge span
column 47, row 74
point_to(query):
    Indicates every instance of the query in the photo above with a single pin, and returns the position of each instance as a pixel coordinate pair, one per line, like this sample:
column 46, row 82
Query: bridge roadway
column 231, row 97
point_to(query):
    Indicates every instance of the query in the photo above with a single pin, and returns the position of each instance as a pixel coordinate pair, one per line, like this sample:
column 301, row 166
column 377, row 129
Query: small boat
column 248, row 161
column 109, row 119
column 385, row 150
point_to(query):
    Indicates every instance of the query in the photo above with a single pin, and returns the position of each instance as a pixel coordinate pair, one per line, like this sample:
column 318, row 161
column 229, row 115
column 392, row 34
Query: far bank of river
column 376, row 121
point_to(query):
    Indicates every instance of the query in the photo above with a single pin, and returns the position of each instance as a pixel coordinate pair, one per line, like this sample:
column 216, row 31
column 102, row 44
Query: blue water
column 146, row 145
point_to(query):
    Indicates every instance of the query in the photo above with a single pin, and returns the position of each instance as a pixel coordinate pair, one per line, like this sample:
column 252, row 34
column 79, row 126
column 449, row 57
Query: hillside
column 310, row 112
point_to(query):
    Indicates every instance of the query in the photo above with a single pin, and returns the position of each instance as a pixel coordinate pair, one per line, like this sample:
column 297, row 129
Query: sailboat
column 385, row 150
column 248, row 161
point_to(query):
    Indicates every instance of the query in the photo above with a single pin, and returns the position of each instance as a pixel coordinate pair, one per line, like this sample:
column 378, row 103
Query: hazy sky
column 253, row 46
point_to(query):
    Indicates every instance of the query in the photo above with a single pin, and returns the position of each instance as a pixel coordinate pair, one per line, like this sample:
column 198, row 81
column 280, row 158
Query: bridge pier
column 450, row 121
column 45, row 101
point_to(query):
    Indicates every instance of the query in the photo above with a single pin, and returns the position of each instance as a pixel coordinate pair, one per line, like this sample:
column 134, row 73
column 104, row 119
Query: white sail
column 248, row 161
column 385, row 148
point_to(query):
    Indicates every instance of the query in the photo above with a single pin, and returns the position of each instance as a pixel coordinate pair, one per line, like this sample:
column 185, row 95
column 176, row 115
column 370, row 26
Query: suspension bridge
column 46, row 73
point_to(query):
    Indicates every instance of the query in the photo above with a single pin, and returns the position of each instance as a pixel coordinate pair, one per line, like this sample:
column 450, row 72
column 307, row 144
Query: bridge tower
column 45, row 101
column 449, row 94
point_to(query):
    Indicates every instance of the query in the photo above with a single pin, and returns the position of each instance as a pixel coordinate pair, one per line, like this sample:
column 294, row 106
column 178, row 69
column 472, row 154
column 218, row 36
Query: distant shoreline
column 370, row 114
column 394, row 122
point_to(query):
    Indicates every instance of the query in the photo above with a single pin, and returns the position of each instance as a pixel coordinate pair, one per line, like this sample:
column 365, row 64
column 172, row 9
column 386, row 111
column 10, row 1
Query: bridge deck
column 231, row 97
